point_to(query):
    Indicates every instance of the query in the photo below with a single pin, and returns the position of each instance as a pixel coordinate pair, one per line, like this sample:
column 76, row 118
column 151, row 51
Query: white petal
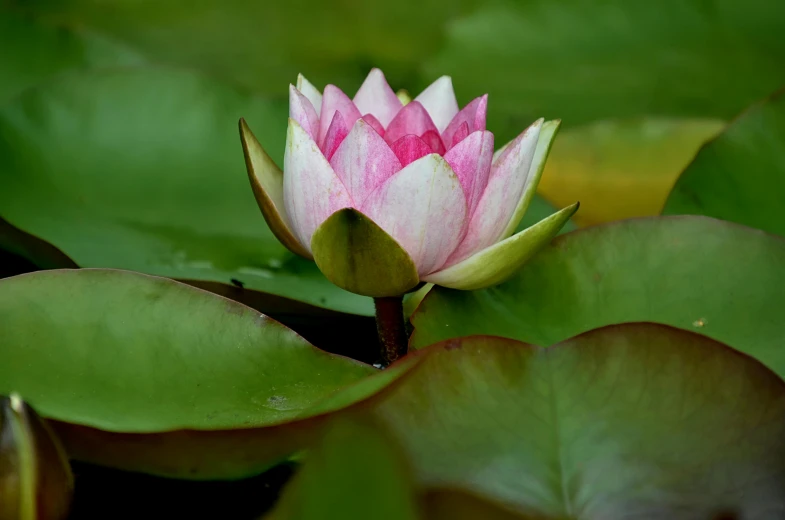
column 439, row 100
column 375, row 97
column 311, row 92
column 312, row 191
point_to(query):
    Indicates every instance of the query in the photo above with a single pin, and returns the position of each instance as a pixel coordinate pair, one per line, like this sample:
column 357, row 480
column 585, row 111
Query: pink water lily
column 384, row 192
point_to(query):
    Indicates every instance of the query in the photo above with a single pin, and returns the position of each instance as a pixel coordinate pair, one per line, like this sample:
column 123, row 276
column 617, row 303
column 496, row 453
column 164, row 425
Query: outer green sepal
column 357, row 255
column 35, row 477
column 496, row 263
column 267, row 183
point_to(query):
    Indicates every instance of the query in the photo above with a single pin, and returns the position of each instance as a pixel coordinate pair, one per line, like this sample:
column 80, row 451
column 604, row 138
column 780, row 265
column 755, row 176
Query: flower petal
column 439, row 100
column 357, row 255
column 500, row 198
column 472, row 114
column 311, row 92
column 413, row 119
column 267, row 183
column 301, row 110
column 409, row 148
column 312, row 191
column 544, row 142
column 423, row 208
column 363, row 161
column 335, row 100
column 496, row 263
column 376, row 97
column 434, row 140
column 368, row 118
column 471, row 162
column 335, row 136
column 461, row 134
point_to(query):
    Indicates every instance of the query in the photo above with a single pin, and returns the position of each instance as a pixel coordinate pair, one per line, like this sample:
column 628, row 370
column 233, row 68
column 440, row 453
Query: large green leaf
column 584, row 61
column 149, row 374
column 354, row 472
column 740, row 175
column 694, row 273
column 32, row 52
column 143, row 170
column 633, row 420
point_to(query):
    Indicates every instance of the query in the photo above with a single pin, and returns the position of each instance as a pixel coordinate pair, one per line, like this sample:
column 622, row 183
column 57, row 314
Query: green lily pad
column 740, row 175
column 355, row 472
column 636, row 419
column 583, row 61
column 141, row 170
column 148, row 374
column 32, row 51
column 358, row 469
column 694, row 273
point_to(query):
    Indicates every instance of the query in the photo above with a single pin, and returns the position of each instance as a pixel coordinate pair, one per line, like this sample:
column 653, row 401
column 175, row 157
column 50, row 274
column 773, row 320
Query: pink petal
column 413, row 119
column 363, row 161
column 312, row 191
column 472, row 114
column 423, row 208
column 368, row 118
column 302, row 111
column 500, row 198
column 335, row 100
column 461, row 134
column 335, row 135
column 376, row 97
column 409, row 148
column 439, row 100
column 434, row 140
column 471, row 161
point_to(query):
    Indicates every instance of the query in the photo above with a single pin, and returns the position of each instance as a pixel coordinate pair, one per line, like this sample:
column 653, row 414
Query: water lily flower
column 384, row 192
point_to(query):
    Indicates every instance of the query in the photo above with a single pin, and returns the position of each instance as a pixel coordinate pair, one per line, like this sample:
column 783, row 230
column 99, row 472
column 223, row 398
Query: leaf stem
column 391, row 328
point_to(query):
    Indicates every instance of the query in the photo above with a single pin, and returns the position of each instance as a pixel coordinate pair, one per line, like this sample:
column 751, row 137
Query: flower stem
column 391, row 328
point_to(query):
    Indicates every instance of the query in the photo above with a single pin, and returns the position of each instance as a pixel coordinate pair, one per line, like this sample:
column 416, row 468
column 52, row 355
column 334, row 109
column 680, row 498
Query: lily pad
column 624, row 168
column 694, row 273
column 148, row 374
column 584, row 61
column 354, row 469
column 141, row 169
column 740, row 175
column 601, row 426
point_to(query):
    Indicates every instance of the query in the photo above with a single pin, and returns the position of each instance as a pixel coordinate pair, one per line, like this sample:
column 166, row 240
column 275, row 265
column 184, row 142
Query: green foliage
column 693, row 273
column 740, row 175
column 217, row 389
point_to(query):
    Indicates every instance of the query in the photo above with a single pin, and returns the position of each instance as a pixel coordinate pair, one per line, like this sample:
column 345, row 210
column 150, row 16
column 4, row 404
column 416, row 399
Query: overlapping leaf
column 148, row 374
column 695, row 273
column 740, row 175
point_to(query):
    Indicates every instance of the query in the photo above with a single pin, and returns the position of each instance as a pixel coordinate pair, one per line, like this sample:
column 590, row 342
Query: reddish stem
column 391, row 328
